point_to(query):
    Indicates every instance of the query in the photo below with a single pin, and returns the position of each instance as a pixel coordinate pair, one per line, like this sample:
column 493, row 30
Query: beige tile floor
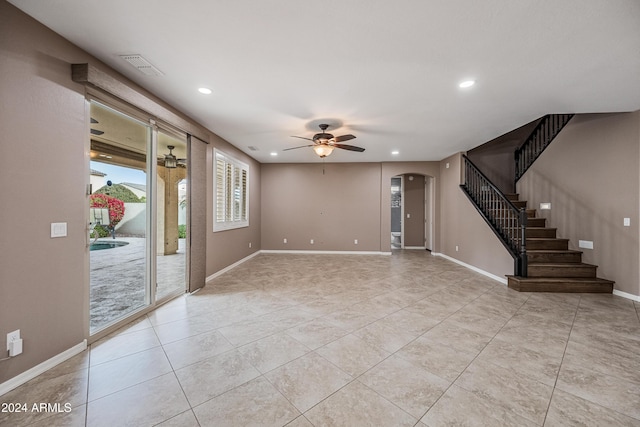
column 336, row 340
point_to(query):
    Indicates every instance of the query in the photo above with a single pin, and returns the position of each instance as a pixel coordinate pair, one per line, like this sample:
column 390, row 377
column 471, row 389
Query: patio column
column 168, row 210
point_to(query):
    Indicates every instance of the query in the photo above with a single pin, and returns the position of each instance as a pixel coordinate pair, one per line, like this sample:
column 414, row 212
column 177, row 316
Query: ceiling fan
column 324, row 143
column 95, row 131
column 171, row 161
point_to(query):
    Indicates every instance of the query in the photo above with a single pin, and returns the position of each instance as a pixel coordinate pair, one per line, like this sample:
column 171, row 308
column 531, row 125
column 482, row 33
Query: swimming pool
column 98, row 246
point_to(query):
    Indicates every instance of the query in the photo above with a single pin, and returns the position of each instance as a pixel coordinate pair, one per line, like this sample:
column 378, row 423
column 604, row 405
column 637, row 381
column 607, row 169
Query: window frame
column 235, row 192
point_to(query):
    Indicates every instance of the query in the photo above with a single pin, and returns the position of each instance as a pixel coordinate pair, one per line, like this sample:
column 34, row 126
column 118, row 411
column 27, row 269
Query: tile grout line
column 480, row 352
column 86, row 412
column 575, row 314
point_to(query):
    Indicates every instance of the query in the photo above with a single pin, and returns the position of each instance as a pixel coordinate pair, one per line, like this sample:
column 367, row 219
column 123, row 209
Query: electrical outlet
column 355, row 242
column 12, row 336
column 249, row 244
column 312, row 241
column 456, row 248
column 284, row 241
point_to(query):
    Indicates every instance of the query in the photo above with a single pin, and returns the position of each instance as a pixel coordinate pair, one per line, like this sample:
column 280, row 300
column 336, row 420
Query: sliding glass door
column 171, row 214
column 137, row 215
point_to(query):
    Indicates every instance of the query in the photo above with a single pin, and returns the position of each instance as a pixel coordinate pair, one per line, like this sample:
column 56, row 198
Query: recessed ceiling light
column 467, row 83
column 273, row 153
column 395, row 152
column 205, row 90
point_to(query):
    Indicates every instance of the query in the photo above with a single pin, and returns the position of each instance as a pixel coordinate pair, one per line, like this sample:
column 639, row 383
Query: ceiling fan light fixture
column 170, row 161
column 323, row 150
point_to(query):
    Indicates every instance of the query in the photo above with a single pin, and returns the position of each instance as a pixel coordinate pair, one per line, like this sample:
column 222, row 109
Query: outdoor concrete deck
column 118, row 279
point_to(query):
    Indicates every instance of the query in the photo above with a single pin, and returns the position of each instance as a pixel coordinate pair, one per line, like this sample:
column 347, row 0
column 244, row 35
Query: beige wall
column 461, row 225
column 42, row 117
column 349, row 201
column 226, row 247
column 44, row 122
column 301, row 203
column 591, row 175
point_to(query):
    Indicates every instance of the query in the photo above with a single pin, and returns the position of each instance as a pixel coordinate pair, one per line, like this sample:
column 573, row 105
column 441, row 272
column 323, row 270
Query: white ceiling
column 385, row 71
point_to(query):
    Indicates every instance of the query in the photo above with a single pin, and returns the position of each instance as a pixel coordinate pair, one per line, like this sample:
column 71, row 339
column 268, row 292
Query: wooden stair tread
column 546, row 238
column 561, row 264
column 560, row 279
column 553, row 251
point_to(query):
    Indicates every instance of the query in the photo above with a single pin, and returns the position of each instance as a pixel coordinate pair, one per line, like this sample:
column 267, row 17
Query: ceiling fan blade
column 349, row 147
column 302, row 146
column 96, row 132
column 344, row 138
column 301, row 137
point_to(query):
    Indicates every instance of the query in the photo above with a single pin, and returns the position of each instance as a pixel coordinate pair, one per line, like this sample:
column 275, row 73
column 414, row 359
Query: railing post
column 523, row 243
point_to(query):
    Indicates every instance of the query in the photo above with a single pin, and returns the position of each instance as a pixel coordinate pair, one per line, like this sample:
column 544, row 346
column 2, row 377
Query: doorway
column 396, row 212
column 411, row 211
column 138, row 222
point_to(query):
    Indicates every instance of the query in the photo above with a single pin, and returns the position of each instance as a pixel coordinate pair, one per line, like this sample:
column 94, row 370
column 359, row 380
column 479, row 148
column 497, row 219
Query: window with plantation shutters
column 231, row 189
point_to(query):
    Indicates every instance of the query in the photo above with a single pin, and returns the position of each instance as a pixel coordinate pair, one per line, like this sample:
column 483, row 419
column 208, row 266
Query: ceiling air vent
column 142, row 65
column 252, row 148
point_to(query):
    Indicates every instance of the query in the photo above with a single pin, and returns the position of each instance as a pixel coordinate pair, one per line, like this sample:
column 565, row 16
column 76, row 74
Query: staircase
column 552, row 267
column 542, row 261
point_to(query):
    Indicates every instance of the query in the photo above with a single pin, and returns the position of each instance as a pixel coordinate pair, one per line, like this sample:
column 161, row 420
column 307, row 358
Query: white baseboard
column 424, row 248
column 502, row 280
column 303, row 252
column 30, row 374
column 230, row 267
column 626, row 295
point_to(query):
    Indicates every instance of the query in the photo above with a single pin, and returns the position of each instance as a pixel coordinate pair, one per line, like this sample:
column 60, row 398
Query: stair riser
column 531, row 213
column 561, row 287
column 519, row 203
column 551, row 271
column 551, row 244
column 549, row 258
column 549, row 233
column 536, row 222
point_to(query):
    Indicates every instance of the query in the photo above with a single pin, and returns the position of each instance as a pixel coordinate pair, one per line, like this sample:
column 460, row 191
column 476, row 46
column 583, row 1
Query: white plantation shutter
column 231, row 193
column 244, row 216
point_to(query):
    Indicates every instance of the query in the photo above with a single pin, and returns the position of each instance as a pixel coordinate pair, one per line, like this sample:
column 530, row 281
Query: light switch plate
column 627, row 222
column 58, row 229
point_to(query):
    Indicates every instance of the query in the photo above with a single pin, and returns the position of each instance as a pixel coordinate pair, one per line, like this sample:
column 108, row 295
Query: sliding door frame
column 94, row 95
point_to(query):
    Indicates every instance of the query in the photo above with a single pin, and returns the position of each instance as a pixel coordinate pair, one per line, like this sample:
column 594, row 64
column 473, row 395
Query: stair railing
column 507, row 221
column 538, row 141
